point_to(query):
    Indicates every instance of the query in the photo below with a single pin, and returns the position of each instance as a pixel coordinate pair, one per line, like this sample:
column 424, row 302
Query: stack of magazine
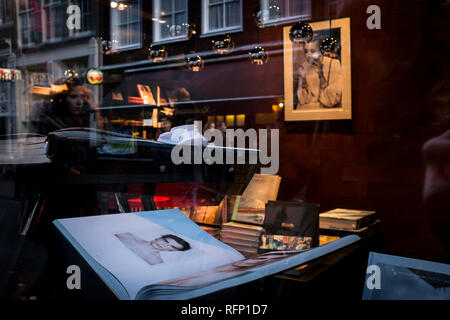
column 244, row 230
column 242, row 237
column 165, row 255
column 346, row 219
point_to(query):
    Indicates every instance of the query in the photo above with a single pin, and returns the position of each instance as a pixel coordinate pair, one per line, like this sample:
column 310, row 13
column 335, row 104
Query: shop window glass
column 5, row 11
column 126, row 26
column 222, row 15
column 170, row 20
column 288, row 10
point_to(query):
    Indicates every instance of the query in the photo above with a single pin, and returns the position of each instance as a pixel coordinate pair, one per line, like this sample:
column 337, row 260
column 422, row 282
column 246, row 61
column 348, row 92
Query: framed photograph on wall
column 317, row 87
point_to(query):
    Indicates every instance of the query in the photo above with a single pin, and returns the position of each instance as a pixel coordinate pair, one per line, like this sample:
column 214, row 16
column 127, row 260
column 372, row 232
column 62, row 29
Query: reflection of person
column 436, row 191
column 319, row 80
column 149, row 251
column 181, row 94
column 166, row 125
column 229, row 270
column 222, row 127
column 208, row 125
column 70, row 107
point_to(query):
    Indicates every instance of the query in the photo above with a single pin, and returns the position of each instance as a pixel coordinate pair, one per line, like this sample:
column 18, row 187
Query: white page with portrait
column 140, row 249
column 239, row 272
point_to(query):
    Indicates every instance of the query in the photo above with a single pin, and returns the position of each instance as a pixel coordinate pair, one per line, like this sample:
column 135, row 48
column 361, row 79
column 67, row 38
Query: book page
column 229, row 270
column 256, row 267
column 135, row 251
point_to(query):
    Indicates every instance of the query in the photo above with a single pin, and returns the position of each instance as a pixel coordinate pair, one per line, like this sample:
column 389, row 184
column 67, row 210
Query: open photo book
column 165, row 255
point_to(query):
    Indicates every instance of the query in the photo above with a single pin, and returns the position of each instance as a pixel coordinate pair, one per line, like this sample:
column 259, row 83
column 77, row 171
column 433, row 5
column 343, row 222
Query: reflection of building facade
column 215, row 91
column 7, row 61
column 46, row 47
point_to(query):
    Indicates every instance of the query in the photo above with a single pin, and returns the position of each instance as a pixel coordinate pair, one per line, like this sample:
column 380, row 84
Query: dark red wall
column 400, row 99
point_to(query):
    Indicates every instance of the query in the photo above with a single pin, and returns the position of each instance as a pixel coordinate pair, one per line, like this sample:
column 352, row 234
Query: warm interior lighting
column 122, row 6
column 59, row 88
column 230, row 120
column 45, row 91
column 114, row 4
column 240, row 120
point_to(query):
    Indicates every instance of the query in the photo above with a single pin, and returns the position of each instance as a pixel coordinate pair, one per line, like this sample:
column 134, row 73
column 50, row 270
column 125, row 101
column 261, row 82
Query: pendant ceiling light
column 301, row 32
column 194, row 63
column 71, row 73
column 183, row 30
column 107, row 47
column 268, row 13
column 223, row 44
column 329, row 46
column 157, row 53
column 258, row 56
column 179, row 30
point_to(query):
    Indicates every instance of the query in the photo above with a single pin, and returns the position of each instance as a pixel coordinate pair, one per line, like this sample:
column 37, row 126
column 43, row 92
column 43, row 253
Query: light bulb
column 329, row 47
column 223, row 45
column 157, row 53
column 271, row 13
column 301, row 32
column 258, row 56
column 194, row 63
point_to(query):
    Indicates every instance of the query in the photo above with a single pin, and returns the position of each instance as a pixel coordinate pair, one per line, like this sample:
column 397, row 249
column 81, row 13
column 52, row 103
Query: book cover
column 347, row 219
column 165, row 255
column 290, row 226
column 261, row 189
column 399, row 278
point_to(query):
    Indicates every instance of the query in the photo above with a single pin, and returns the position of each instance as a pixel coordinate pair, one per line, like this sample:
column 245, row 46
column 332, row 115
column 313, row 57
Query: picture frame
column 318, row 87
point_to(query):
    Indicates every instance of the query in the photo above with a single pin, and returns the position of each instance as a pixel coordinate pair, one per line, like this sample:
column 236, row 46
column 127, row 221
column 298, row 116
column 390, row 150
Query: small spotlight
column 122, row 6
column 114, row 4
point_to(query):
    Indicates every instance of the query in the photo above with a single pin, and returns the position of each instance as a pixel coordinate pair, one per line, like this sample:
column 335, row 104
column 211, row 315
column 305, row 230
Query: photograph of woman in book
column 150, row 251
column 230, row 270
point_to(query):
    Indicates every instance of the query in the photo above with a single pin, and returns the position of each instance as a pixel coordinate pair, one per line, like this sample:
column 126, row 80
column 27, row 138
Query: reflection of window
column 30, row 22
column 86, row 15
column 170, row 20
column 5, row 98
column 5, row 11
column 45, row 20
column 221, row 15
column 55, row 19
column 126, row 26
column 289, row 10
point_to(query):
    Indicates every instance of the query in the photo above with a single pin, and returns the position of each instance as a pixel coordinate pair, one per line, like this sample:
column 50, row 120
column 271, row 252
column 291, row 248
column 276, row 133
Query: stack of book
column 242, row 237
column 244, row 231
column 346, row 219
